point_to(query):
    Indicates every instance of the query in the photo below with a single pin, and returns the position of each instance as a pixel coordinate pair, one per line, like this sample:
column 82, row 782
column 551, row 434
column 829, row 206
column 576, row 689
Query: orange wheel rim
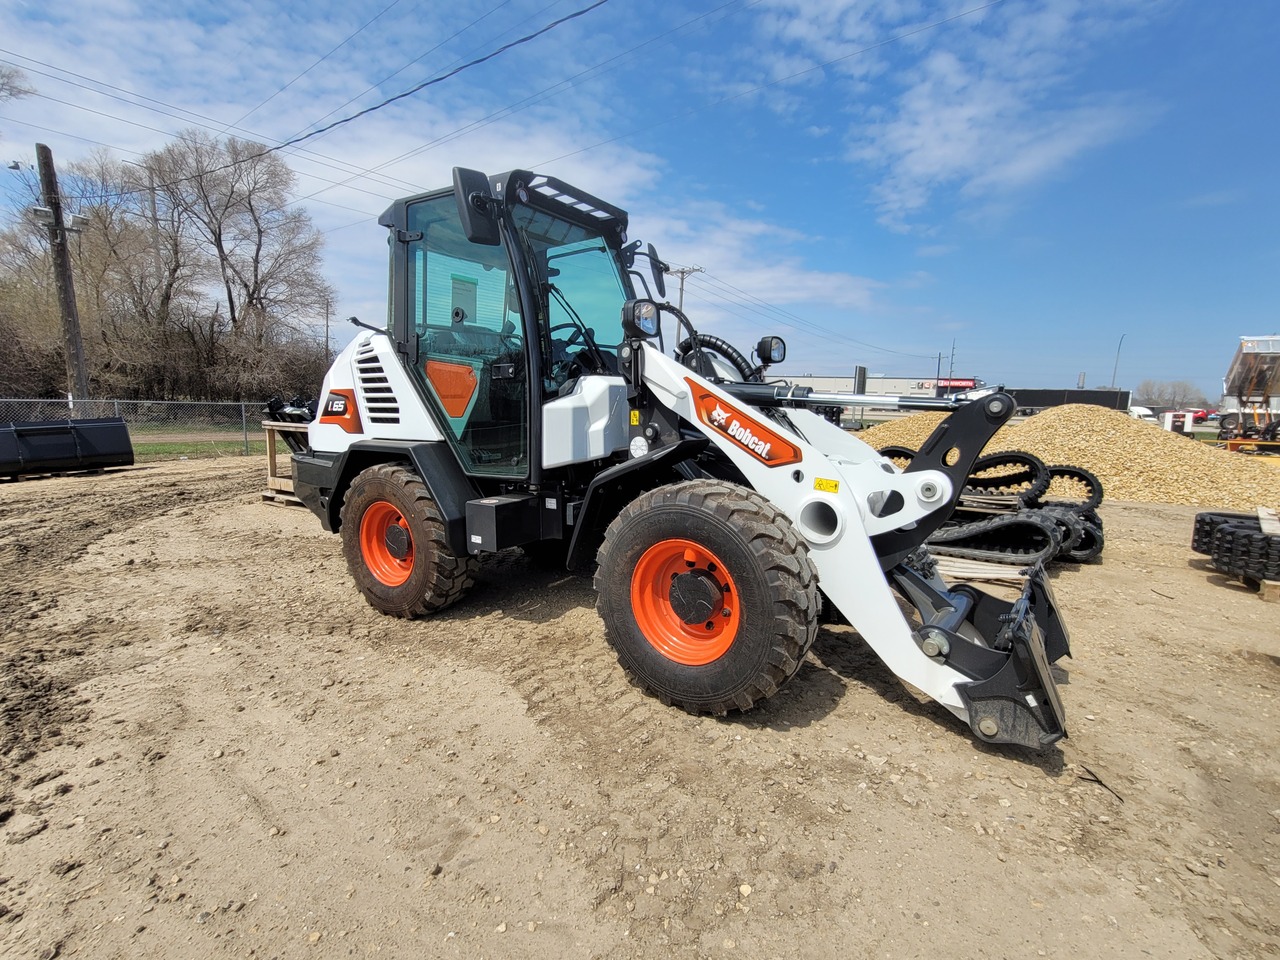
column 386, row 543
column 685, row 602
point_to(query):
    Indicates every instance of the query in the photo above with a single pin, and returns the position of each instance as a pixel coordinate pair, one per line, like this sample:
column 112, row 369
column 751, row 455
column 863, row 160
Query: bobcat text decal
column 767, row 446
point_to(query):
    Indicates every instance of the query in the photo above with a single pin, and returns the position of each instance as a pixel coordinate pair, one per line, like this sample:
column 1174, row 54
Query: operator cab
column 505, row 293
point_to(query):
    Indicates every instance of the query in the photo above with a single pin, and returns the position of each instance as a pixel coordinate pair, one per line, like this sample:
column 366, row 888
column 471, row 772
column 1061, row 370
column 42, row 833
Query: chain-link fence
column 160, row 429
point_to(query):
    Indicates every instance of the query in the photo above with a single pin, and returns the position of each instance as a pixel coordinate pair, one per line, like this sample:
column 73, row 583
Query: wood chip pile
column 1135, row 460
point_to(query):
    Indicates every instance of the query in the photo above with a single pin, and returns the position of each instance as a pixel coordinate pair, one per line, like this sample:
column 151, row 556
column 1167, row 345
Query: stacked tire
column 1056, row 501
column 1236, row 546
column 1206, row 523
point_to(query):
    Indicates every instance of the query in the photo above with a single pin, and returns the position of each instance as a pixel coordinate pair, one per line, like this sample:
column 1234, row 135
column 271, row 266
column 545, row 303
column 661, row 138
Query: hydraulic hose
column 720, row 346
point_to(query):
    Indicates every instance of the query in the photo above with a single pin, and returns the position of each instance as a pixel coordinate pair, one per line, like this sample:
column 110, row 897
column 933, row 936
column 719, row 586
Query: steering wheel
column 573, row 337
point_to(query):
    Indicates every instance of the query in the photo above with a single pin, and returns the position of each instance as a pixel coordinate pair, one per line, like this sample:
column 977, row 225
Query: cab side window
column 471, row 354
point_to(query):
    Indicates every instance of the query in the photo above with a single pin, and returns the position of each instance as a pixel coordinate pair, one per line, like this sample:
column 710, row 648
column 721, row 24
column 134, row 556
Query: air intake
column 379, row 399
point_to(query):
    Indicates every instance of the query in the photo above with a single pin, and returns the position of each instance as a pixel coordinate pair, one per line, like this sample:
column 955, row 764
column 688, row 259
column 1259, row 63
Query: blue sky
column 1029, row 179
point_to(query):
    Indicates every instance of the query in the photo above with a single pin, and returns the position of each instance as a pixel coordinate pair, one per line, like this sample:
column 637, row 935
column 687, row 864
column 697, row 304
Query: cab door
column 465, row 333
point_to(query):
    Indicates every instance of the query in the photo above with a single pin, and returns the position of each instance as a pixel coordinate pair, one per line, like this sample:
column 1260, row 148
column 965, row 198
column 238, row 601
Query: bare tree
column 13, row 84
column 139, row 282
column 1174, row 394
column 195, row 278
column 267, row 253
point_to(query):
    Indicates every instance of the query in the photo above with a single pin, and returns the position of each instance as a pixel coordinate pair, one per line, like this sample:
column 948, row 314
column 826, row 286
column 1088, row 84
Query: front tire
column 707, row 594
column 393, row 538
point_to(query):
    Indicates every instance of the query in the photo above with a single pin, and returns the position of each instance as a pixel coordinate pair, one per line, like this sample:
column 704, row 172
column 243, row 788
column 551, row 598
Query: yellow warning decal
column 826, row 486
column 635, row 418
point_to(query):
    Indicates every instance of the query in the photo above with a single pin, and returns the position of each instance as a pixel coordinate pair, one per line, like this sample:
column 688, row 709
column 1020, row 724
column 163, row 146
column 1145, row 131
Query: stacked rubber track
column 1236, row 545
column 1016, row 509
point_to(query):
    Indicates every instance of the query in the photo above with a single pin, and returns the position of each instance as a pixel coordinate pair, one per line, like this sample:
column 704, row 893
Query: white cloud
column 981, row 106
column 978, row 108
column 1215, row 198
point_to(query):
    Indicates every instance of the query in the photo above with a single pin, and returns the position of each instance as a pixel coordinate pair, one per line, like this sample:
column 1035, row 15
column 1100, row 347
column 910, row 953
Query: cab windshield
column 581, row 289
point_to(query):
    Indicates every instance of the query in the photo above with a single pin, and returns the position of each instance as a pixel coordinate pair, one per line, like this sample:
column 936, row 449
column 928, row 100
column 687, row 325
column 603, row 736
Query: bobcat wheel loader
column 524, row 394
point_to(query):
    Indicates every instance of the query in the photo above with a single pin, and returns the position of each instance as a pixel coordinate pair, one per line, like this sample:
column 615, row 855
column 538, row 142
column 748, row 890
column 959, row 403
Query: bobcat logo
column 761, row 441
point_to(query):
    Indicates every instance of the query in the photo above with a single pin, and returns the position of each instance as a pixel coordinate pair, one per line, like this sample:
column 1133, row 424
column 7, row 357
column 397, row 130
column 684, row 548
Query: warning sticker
column 635, row 418
column 825, row 485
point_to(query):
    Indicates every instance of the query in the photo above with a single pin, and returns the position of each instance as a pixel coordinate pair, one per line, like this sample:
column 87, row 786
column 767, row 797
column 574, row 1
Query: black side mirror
column 476, row 206
column 659, row 270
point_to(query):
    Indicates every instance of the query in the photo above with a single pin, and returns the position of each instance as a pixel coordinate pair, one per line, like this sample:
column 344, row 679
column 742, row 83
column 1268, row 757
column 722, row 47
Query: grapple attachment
column 1004, row 647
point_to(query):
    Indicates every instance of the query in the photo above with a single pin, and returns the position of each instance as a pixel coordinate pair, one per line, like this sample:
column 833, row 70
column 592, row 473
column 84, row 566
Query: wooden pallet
column 281, row 499
column 279, row 485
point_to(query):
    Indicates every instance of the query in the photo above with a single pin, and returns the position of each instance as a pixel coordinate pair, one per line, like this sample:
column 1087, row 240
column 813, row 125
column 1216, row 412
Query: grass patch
column 203, row 448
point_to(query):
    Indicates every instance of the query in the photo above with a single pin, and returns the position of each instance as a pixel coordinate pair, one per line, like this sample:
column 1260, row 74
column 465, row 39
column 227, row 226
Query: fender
column 321, row 480
column 614, row 488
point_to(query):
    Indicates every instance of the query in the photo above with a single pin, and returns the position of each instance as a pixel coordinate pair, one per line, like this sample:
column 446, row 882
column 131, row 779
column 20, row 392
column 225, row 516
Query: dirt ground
column 212, row 746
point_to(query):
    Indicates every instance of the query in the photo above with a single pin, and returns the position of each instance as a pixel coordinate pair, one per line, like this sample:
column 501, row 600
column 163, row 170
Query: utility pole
column 77, row 379
column 156, row 257
column 951, row 371
column 155, row 224
column 683, row 272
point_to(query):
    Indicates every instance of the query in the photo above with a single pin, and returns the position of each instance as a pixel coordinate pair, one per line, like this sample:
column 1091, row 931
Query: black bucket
column 57, row 446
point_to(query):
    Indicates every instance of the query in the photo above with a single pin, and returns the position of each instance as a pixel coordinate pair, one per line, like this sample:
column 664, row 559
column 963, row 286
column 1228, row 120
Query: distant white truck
column 1251, row 388
column 1144, row 413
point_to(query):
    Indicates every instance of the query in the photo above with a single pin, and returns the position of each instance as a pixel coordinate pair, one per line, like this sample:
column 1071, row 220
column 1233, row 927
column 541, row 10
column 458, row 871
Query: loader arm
column 861, row 516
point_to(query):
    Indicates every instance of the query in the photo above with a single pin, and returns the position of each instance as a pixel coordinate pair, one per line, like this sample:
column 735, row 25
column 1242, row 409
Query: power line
column 445, row 76
column 419, row 59
column 548, row 92
column 213, row 125
column 72, row 136
column 452, row 73
column 128, row 192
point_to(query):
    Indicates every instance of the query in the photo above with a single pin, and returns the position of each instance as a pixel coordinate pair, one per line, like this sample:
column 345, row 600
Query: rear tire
column 707, row 594
column 394, row 541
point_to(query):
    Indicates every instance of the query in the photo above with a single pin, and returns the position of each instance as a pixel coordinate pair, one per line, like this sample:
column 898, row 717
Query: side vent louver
column 379, row 399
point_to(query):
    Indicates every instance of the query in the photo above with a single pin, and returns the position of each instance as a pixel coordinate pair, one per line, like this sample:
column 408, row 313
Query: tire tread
column 788, row 572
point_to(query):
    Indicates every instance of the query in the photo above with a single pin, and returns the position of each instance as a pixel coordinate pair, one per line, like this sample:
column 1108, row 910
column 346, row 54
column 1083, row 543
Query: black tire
column 750, row 574
column 1245, row 551
column 1070, row 525
column 1209, row 521
column 1077, row 483
column 1090, row 545
column 1012, row 472
column 427, row 576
